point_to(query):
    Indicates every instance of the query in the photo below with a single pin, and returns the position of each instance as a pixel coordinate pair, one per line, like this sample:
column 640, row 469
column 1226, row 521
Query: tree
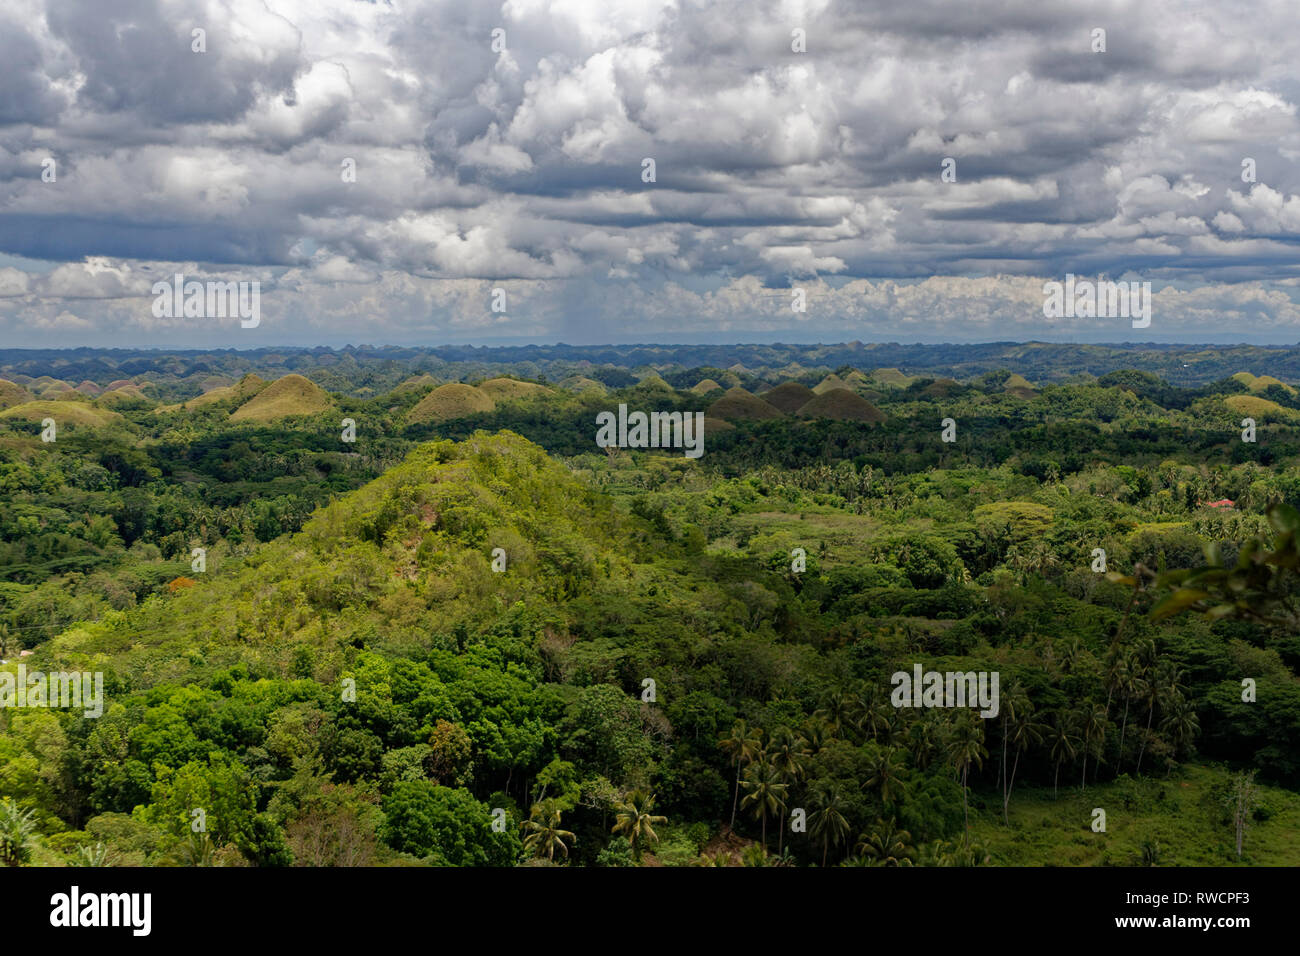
column 426, row 820
column 1025, row 733
column 966, row 747
column 1241, row 801
column 883, row 766
column 765, row 793
column 742, row 746
column 827, row 823
column 888, row 845
column 1064, row 743
column 543, row 833
column 633, row 819
column 1092, row 723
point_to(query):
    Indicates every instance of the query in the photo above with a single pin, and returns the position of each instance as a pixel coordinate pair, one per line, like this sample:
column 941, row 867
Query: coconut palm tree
column 966, row 747
column 1164, row 685
column 887, row 845
column 1093, row 724
column 1064, row 743
column 827, row 823
column 1180, row 724
column 883, row 766
column 1025, row 733
column 633, row 819
column 742, row 746
column 765, row 793
column 543, row 835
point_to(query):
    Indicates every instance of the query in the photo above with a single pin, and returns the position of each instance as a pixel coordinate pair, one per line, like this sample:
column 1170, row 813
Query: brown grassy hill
column 739, row 405
column 63, row 413
column 1261, row 409
column 829, row 382
column 788, row 397
column 416, row 383
column 509, row 389
column 129, row 393
column 454, row 400
column 842, row 405
column 714, row 426
column 941, row 388
column 705, row 385
column 11, row 393
column 580, row 383
column 891, row 376
column 653, row 380
column 1019, row 386
column 241, row 391
column 89, row 388
column 1257, row 383
column 283, row 398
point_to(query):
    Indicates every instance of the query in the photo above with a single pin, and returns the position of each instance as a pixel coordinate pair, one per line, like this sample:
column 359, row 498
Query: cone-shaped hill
column 74, row 413
column 829, row 382
column 12, row 394
column 789, row 397
column 580, row 383
column 283, row 398
column 705, row 385
column 510, row 389
column 842, row 405
column 739, row 405
column 450, row 401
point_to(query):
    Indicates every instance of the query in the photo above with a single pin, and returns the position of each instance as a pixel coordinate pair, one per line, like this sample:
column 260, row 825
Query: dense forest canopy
column 384, row 606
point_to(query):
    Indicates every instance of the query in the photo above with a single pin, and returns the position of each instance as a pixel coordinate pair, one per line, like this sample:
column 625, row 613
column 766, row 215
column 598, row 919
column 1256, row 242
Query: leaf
column 1284, row 518
column 1177, row 602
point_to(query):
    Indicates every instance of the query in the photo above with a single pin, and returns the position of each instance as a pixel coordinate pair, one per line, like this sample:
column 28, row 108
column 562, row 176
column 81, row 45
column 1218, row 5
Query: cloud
column 521, row 166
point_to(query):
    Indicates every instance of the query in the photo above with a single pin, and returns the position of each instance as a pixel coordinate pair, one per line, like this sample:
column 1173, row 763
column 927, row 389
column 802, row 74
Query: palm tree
column 788, row 753
column 543, row 833
column 1164, row 686
column 17, row 829
column 826, row 821
column 742, row 747
column 1093, row 723
column 1012, row 703
column 765, row 793
column 883, row 764
column 632, row 818
column 925, row 739
column 965, row 748
column 1180, row 723
column 1064, row 744
column 887, row 845
column 1025, row 733
column 834, row 711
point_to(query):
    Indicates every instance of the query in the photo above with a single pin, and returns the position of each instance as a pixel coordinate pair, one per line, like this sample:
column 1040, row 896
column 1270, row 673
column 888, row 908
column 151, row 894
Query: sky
column 387, row 172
